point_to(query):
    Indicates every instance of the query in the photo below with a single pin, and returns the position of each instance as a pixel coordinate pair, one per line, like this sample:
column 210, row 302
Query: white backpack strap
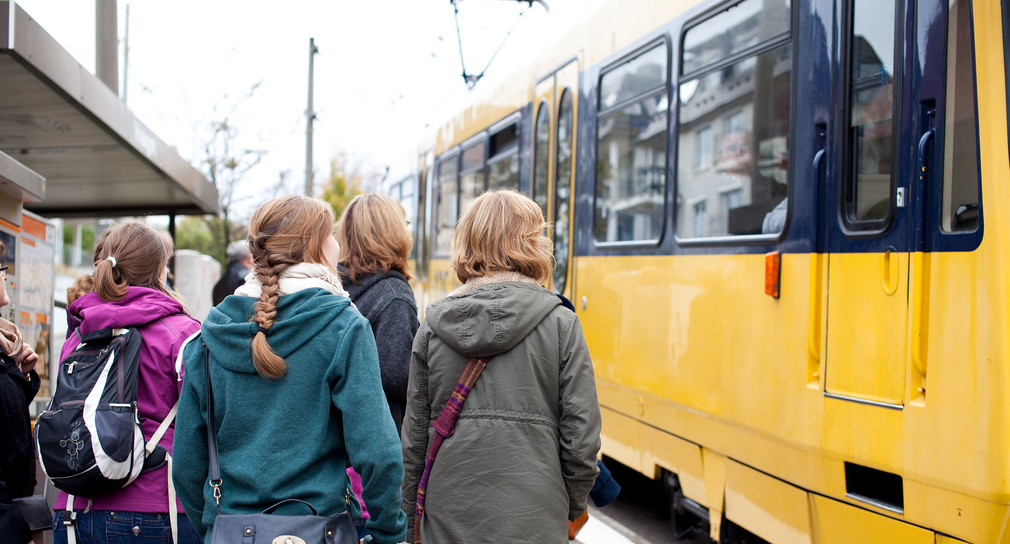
column 156, row 437
column 71, row 521
column 173, row 508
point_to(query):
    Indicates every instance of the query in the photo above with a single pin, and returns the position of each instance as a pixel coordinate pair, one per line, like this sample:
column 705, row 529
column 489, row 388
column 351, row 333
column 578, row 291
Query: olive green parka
column 523, row 457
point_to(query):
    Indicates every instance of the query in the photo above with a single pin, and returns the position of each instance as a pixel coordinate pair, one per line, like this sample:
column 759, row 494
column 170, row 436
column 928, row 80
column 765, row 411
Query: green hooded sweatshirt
column 292, row 437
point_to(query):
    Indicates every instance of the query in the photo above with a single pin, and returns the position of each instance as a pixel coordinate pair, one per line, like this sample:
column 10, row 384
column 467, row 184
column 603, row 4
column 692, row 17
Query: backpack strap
column 445, row 426
column 70, row 521
column 156, row 437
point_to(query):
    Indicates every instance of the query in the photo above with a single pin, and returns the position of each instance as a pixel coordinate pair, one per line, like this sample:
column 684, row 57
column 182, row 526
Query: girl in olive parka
column 522, row 459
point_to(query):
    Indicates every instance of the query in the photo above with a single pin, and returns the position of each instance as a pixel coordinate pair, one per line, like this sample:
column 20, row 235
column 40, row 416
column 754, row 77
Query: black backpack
column 89, row 439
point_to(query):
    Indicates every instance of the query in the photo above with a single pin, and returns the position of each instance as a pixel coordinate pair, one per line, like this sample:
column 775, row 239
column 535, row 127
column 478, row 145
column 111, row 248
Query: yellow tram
column 784, row 226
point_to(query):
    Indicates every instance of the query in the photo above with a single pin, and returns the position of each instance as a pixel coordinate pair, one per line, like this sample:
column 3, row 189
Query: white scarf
column 295, row 278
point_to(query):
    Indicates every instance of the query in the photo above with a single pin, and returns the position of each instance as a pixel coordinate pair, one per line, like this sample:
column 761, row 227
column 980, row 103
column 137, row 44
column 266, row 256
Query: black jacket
column 17, row 453
column 231, row 280
column 387, row 301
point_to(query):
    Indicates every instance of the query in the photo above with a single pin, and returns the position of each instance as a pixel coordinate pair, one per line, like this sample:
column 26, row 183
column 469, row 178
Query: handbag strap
column 445, row 426
column 214, row 467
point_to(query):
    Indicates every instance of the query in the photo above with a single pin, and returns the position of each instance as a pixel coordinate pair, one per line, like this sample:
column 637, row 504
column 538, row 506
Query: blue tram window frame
column 766, row 44
column 852, row 226
column 450, row 156
column 661, row 89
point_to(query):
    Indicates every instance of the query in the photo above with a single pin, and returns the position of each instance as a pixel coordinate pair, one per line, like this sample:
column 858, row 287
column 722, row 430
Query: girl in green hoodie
column 297, row 393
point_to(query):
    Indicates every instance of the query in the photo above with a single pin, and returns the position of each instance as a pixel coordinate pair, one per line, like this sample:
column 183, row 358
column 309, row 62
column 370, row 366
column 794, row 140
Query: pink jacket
column 164, row 327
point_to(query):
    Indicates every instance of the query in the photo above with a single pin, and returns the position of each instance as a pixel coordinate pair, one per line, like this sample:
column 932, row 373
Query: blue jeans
column 119, row 527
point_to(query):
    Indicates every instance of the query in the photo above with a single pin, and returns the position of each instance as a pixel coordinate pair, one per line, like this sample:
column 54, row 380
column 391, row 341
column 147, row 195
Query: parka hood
column 491, row 316
column 300, row 317
column 140, row 306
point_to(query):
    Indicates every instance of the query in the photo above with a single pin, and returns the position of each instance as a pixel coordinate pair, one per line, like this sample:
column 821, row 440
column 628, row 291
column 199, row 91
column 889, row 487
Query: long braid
column 268, row 364
column 282, row 232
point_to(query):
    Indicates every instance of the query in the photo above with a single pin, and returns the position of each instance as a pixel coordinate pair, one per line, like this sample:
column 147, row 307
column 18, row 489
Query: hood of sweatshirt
column 367, row 281
column 490, row 318
column 140, row 306
column 300, row 317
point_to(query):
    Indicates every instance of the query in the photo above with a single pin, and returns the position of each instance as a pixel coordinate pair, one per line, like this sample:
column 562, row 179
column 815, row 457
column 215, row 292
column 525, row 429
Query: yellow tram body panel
column 686, row 359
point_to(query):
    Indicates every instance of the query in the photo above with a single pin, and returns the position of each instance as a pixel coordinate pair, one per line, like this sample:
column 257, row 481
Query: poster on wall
column 35, row 289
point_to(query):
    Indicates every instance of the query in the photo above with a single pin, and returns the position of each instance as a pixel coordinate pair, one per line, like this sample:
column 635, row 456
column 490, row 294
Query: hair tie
column 264, row 331
column 113, row 259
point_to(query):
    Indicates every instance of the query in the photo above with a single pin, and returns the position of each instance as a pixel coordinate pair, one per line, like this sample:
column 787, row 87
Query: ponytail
column 110, row 284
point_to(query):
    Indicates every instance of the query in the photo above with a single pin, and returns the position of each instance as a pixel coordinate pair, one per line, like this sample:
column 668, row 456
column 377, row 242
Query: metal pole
column 310, row 116
column 126, row 53
column 106, row 40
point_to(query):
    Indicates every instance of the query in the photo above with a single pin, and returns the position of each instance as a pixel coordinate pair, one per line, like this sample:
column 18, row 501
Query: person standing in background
column 240, row 261
column 18, row 385
column 374, row 245
column 168, row 277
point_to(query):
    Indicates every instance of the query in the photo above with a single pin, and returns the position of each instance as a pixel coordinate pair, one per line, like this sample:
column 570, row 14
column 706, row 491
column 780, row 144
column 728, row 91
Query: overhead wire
column 472, row 79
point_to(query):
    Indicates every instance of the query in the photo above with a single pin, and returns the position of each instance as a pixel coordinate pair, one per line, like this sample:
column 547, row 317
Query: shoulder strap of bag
column 214, row 467
column 445, row 426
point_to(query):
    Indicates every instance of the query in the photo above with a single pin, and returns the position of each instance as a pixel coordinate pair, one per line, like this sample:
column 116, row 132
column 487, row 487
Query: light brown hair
column 282, row 232
column 372, row 233
column 82, row 285
column 140, row 257
column 502, row 232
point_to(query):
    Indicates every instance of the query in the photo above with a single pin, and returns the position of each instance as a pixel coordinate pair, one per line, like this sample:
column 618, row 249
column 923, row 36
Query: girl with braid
column 297, row 392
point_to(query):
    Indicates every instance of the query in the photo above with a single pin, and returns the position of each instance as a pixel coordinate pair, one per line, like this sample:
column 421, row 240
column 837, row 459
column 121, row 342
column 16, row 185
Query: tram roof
column 97, row 158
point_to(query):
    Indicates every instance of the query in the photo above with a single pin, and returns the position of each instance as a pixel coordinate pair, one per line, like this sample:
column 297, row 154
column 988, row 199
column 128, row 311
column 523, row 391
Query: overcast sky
column 385, row 69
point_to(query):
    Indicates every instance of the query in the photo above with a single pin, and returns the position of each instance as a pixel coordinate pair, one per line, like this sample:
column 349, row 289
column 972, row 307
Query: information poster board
column 36, row 270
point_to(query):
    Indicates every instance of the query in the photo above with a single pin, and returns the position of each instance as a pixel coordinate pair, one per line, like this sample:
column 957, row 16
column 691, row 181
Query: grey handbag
column 281, row 529
column 266, row 527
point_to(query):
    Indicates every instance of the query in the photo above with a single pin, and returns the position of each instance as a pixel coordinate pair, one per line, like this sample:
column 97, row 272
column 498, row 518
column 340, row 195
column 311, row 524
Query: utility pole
column 310, row 116
column 106, row 42
column 126, row 53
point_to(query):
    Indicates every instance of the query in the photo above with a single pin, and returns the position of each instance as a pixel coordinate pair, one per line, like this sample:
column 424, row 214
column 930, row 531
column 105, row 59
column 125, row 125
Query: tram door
column 888, row 120
column 555, row 112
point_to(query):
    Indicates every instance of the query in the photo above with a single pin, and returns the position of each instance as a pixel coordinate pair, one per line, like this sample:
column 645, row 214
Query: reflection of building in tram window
column 733, row 124
column 631, row 144
column 871, row 114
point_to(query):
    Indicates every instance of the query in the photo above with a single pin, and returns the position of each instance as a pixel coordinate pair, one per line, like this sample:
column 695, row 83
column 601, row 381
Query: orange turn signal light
column 773, row 273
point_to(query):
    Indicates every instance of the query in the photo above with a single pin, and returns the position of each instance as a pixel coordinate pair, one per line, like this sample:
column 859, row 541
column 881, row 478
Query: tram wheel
column 685, row 519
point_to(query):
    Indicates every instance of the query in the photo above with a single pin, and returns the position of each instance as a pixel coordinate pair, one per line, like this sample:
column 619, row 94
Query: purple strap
column 445, row 426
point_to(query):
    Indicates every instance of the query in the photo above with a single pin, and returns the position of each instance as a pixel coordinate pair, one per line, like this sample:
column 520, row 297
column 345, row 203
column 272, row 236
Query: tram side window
column 631, row 148
column 871, row 112
column 733, row 131
column 403, row 192
column 471, row 176
column 960, row 173
column 541, row 159
column 448, row 203
column 562, row 189
column 503, row 161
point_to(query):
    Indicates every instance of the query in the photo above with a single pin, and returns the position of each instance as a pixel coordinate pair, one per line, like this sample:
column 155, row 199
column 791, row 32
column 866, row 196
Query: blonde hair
column 502, row 232
column 282, row 232
column 140, row 256
column 373, row 236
